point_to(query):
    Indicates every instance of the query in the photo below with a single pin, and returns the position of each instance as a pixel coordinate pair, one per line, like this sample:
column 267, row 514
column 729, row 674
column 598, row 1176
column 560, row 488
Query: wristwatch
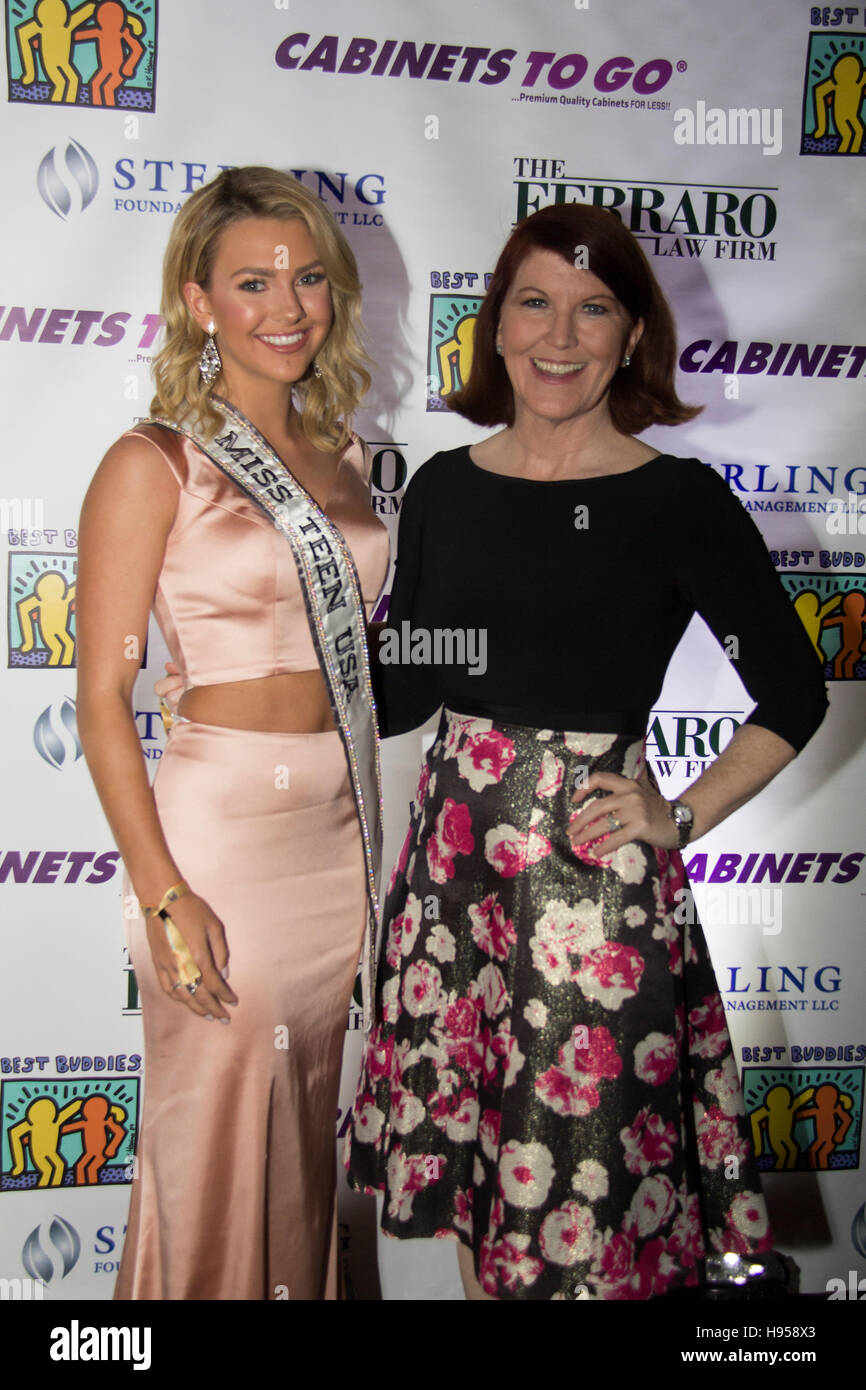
column 684, row 820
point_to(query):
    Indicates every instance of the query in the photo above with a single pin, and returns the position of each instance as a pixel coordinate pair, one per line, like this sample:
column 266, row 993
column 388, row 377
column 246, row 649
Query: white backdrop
column 428, row 153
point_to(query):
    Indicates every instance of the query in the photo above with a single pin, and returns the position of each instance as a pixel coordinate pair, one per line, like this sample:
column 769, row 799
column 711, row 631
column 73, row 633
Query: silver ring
column 191, row 988
column 178, row 985
column 612, row 822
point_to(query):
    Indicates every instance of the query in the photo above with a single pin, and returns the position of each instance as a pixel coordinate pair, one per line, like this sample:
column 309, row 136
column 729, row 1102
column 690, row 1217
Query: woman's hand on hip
column 622, row 810
column 205, row 938
column 169, row 689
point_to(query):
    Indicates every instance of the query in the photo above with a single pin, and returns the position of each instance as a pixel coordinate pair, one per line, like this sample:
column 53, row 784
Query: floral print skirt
column 550, row 1078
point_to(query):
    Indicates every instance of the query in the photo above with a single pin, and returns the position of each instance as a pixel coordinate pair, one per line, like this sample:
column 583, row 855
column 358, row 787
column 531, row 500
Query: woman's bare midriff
column 295, row 703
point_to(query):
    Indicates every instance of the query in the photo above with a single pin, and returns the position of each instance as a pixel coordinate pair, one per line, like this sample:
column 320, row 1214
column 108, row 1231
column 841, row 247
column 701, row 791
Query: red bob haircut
column 642, row 394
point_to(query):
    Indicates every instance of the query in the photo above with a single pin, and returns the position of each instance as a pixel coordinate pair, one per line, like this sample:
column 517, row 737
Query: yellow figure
column 41, row 1132
column 54, row 28
column 51, row 601
column 776, row 1118
column 844, row 89
column 455, row 356
column 812, row 613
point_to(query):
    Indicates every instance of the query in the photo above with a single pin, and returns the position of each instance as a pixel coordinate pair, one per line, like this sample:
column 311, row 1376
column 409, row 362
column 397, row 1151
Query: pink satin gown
column 234, row 1193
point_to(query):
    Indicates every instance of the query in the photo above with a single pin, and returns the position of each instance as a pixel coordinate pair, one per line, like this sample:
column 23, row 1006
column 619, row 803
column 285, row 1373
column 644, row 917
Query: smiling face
column 563, row 335
column 270, row 300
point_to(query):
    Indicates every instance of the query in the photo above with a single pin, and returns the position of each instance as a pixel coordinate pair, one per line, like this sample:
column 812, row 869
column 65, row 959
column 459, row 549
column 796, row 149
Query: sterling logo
column 79, row 175
column 76, row 1343
column 66, row 1242
column 55, row 734
column 57, row 741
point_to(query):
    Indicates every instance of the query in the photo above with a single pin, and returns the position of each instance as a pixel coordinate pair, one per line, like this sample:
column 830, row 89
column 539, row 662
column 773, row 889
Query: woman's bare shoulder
column 136, row 472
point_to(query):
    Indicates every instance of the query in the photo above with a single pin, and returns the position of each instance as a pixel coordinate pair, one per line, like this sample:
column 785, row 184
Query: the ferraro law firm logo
column 834, row 90
column 94, row 54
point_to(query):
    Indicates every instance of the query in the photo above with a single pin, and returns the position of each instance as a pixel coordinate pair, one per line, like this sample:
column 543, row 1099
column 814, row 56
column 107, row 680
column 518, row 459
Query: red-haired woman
column 550, row 1079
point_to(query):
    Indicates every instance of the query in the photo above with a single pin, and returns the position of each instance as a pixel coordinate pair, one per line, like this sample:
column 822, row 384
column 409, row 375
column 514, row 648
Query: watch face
column 683, row 815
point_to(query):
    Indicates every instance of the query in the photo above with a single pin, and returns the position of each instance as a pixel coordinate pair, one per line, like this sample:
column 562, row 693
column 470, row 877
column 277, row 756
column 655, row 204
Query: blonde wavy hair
column 326, row 402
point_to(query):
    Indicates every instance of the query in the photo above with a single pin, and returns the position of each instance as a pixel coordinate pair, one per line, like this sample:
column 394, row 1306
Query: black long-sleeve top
column 583, row 608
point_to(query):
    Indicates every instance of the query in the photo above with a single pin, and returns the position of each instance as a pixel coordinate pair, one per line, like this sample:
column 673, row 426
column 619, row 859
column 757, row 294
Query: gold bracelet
column 178, row 890
column 187, row 969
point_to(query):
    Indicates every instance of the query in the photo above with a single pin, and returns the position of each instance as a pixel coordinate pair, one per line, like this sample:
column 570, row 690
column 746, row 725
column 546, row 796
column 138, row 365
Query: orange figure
column 851, row 621
column 101, row 1135
column 829, row 1110
column 119, row 50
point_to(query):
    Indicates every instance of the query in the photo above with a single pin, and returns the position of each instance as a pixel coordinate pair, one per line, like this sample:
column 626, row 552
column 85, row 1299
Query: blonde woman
column 242, row 515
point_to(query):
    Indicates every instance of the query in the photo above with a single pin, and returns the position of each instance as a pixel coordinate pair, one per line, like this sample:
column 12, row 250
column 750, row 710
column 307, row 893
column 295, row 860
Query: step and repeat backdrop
column 731, row 141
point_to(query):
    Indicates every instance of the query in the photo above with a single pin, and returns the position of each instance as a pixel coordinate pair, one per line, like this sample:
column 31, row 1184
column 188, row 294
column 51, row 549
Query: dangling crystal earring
column 210, row 363
column 317, row 371
column 500, row 350
column 626, row 360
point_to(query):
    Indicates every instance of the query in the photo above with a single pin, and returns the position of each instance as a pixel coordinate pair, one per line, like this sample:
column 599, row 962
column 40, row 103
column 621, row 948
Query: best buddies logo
column 805, row 1119
column 67, row 1131
column 833, row 81
column 451, row 331
column 832, row 608
column 94, row 55
column 41, row 608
